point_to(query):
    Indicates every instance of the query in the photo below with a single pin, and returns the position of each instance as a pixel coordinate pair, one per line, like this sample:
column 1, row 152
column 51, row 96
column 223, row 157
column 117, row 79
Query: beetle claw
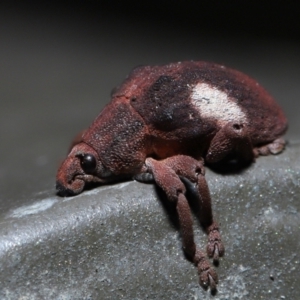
column 215, row 250
column 208, row 277
column 216, row 253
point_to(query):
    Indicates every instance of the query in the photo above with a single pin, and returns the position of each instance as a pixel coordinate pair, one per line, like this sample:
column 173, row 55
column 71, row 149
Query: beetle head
column 81, row 166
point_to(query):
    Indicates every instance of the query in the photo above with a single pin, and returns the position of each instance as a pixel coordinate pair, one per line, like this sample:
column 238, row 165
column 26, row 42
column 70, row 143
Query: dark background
column 59, row 61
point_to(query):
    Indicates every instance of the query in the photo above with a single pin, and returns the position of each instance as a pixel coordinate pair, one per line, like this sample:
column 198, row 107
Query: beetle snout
column 82, row 166
column 68, row 183
column 65, row 187
column 63, row 191
column 71, row 187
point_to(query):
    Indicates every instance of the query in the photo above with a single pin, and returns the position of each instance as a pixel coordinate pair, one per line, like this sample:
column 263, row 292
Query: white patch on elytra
column 213, row 103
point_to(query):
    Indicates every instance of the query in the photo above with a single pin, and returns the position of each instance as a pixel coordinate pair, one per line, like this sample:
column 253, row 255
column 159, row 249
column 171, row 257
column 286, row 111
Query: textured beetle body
column 166, row 109
column 164, row 121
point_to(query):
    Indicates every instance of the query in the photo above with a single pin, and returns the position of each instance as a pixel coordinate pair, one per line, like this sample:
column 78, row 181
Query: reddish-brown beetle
column 162, row 124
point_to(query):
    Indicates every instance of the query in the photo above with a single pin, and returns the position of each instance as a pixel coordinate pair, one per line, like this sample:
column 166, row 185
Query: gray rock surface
column 120, row 241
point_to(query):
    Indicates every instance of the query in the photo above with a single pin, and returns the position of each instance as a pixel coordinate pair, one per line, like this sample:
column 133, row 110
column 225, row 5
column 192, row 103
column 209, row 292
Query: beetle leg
column 194, row 171
column 166, row 175
column 232, row 138
column 144, row 177
column 275, row 147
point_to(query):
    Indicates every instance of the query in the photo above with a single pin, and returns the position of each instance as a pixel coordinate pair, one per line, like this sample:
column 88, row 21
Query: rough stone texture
column 120, row 241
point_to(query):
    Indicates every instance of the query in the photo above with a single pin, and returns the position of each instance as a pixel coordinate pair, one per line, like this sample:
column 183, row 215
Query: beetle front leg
column 194, row 171
column 167, row 178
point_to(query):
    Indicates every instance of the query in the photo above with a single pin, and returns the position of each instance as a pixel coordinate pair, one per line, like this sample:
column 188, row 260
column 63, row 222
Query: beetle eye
column 88, row 163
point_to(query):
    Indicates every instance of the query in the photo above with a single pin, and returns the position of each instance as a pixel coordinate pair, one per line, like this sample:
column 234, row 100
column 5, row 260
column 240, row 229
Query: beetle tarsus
column 208, row 277
column 274, row 148
column 215, row 247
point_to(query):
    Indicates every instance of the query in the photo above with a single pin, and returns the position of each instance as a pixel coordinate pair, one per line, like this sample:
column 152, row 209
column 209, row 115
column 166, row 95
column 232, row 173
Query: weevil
column 162, row 124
